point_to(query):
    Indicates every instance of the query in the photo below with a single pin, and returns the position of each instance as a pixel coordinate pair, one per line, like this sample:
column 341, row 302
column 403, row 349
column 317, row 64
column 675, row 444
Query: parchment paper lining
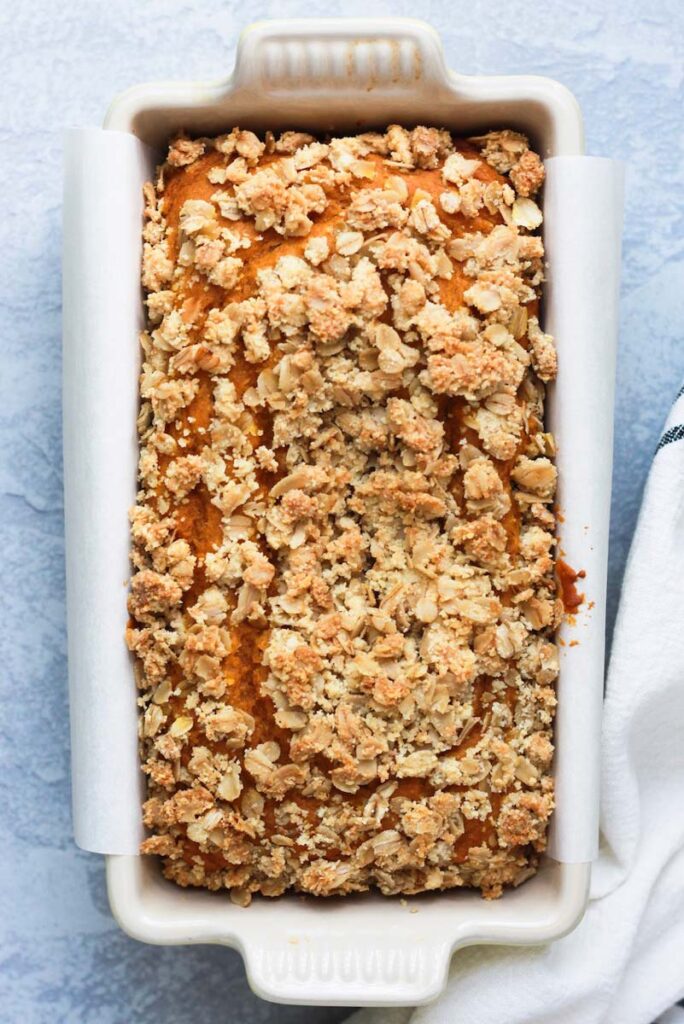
column 102, row 317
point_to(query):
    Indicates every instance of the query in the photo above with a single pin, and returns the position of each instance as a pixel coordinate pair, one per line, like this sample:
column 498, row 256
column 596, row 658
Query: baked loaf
column 344, row 600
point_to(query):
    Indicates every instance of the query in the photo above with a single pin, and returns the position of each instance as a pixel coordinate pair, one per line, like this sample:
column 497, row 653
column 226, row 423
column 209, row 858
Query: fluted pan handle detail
column 380, row 975
column 360, row 56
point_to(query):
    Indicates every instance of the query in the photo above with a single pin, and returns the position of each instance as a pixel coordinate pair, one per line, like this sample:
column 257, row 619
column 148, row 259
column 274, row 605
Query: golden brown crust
column 344, row 598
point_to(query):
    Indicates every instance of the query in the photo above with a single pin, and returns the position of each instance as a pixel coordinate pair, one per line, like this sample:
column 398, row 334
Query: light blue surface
column 62, row 956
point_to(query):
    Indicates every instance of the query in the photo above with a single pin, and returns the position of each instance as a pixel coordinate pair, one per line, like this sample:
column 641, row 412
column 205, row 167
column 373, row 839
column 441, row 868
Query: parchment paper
column 583, row 203
column 102, row 317
column 102, row 303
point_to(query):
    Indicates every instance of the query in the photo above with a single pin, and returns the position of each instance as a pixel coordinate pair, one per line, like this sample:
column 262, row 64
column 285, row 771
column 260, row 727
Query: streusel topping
column 344, row 598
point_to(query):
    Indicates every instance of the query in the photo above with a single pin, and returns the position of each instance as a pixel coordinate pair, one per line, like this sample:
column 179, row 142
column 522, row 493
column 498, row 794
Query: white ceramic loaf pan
column 346, row 75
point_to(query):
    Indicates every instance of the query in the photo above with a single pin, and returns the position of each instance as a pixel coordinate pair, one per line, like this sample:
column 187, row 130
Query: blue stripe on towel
column 673, row 434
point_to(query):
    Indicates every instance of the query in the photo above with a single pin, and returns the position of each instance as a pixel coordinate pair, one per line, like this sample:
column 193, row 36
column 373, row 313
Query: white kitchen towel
column 624, row 964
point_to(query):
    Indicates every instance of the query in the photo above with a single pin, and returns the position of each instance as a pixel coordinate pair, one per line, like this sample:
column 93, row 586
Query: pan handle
column 325, row 55
column 367, row 972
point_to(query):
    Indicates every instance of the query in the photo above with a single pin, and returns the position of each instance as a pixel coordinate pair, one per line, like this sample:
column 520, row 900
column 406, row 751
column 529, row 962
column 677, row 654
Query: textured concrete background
column 63, row 957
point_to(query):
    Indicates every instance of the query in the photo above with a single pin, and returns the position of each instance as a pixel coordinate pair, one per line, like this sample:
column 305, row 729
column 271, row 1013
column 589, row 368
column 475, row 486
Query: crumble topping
column 343, row 602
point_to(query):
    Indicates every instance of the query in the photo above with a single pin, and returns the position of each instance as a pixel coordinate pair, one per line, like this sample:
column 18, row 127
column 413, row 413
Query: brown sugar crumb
column 345, row 593
column 567, row 578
